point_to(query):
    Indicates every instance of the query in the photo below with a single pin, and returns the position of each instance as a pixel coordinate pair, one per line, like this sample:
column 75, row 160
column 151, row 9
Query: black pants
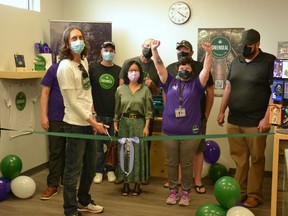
column 57, row 147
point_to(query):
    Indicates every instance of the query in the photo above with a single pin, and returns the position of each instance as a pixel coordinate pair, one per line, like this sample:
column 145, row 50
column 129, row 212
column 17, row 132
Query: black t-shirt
column 250, row 89
column 197, row 68
column 104, row 82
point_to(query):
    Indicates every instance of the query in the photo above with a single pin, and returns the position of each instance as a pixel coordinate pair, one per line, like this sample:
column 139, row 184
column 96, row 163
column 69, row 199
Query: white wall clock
column 179, row 12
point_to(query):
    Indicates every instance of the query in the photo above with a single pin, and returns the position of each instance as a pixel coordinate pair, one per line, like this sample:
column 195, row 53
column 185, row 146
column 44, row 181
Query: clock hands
column 182, row 14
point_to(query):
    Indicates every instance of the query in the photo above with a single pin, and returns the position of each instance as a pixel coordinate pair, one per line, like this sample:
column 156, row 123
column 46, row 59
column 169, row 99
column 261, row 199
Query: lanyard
column 181, row 90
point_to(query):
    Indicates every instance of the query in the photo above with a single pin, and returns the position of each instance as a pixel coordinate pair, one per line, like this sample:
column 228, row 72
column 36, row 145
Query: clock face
column 179, row 12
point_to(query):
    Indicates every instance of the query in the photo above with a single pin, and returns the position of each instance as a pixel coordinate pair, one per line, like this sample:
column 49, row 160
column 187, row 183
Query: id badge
column 180, row 112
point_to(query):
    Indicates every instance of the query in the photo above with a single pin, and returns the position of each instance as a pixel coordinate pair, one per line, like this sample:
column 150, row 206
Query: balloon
column 212, row 152
column 11, row 166
column 227, row 191
column 217, row 171
column 210, row 209
column 23, row 186
column 225, row 162
column 4, row 188
column 239, row 211
column 205, row 169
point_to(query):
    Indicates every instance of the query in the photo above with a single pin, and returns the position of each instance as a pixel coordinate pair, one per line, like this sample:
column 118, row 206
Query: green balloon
column 217, row 171
column 227, row 191
column 210, row 209
column 11, row 166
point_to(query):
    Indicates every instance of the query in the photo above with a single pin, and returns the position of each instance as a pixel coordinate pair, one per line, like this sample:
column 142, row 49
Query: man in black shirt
column 247, row 94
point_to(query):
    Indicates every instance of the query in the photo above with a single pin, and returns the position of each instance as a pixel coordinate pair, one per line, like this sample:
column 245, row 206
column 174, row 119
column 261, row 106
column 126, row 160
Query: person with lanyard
column 184, row 48
column 104, row 77
column 80, row 159
column 133, row 113
column 182, row 116
column 151, row 79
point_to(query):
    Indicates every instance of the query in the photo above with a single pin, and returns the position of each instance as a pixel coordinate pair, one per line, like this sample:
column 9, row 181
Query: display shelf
column 21, row 75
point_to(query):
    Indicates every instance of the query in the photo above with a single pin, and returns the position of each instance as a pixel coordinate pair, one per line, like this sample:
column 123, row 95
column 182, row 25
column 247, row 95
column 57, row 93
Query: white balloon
column 205, row 169
column 239, row 211
column 23, row 187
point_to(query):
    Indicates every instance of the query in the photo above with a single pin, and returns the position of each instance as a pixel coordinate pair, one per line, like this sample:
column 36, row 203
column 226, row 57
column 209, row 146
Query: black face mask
column 182, row 54
column 247, row 52
column 147, row 52
column 185, row 75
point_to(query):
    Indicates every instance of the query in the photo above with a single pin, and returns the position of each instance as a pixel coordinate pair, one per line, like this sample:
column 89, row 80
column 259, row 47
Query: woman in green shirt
column 133, row 111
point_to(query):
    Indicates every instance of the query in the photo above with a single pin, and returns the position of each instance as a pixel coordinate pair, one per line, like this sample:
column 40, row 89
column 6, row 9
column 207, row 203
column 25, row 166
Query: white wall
column 133, row 22
column 20, row 29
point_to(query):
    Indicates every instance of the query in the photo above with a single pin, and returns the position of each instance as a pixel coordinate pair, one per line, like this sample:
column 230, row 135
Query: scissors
column 107, row 131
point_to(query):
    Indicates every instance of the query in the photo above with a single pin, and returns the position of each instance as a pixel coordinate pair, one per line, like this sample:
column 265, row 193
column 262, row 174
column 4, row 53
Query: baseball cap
column 250, row 36
column 184, row 43
column 108, row 43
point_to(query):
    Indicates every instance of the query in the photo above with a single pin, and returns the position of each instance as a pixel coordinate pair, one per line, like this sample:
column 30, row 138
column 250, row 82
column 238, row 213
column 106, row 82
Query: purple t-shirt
column 192, row 94
column 55, row 103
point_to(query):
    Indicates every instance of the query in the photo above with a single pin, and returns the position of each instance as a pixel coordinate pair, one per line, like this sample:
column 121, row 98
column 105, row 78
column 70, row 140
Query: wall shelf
column 21, row 75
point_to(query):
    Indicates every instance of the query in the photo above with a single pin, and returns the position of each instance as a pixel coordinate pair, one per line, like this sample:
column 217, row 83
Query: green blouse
column 141, row 101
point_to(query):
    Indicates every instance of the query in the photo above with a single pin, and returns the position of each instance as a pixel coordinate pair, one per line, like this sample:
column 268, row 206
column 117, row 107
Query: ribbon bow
column 127, row 148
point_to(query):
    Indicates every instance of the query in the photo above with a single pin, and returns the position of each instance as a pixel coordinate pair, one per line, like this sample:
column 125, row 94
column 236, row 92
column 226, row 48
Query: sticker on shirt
column 106, row 81
column 195, row 129
column 20, row 101
column 86, row 83
column 175, row 87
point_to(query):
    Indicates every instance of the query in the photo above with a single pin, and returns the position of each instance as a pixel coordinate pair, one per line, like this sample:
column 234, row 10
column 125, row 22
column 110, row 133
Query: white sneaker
column 91, row 207
column 98, row 178
column 111, row 176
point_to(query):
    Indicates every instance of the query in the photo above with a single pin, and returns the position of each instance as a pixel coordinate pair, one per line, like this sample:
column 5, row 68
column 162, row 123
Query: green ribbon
column 148, row 138
column 154, row 138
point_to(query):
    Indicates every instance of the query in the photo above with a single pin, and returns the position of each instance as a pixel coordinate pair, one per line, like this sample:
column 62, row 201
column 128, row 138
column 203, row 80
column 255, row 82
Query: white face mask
column 133, row 76
column 77, row 46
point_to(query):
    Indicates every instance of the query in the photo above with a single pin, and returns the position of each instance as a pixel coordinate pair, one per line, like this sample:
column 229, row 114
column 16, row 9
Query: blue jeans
column 100, row 155
column 80, row 158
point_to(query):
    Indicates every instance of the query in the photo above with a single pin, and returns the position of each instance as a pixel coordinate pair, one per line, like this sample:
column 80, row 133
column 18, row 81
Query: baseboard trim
column 35, row 170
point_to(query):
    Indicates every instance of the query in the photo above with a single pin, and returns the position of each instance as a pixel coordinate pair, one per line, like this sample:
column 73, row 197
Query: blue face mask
column 77, row 46
column 108, row 56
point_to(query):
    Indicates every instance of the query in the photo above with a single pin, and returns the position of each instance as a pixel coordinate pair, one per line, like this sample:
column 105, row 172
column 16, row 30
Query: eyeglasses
column 84, row 72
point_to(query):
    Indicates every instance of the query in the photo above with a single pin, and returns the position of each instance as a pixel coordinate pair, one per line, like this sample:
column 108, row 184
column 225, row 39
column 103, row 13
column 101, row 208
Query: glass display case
column 279, row 195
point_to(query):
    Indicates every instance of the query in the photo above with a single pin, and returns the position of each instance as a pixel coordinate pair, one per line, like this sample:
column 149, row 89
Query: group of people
column 103, row 98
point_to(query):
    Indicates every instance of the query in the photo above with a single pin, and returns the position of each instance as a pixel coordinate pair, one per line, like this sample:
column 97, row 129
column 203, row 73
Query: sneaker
column 173, row 197
column 98, row 178
column 91, row 207
column 184, row 201
column 111, row 176
column 50, row 191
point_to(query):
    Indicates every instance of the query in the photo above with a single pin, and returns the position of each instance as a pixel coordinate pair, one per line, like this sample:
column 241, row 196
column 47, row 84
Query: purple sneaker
column 173, row 197
column 184, row 201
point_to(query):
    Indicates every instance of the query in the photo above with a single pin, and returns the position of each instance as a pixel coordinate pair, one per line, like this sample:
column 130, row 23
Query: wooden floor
column 151, row 202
